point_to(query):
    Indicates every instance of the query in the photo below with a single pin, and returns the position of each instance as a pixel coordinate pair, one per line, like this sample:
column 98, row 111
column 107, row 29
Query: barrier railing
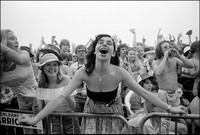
column 9, row 123
column 45, row 129
column 192, row 117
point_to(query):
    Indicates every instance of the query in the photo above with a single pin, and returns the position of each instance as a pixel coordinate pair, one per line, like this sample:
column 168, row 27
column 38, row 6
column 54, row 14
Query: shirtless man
column 165, row 68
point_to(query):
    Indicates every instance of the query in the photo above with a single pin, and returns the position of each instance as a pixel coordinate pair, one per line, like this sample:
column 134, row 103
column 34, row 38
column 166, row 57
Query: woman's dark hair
column 158, row 51
column 119, row 48
column 193, row 48
column 90, row 57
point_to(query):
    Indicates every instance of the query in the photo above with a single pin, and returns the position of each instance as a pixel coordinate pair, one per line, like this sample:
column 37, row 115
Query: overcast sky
column 79, row 21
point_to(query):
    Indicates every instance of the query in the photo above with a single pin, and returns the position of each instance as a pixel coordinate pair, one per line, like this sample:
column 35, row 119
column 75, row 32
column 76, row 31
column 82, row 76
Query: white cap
column 187, row 48
column 49, row 57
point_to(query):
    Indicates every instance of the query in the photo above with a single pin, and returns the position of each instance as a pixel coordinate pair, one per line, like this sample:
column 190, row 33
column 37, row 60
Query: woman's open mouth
column 103, row 50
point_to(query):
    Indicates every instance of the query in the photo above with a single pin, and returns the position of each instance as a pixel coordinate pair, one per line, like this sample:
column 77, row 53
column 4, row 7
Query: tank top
column 104, row 97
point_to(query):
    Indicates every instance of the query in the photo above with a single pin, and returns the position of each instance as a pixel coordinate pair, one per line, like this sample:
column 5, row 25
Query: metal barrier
column 192, row 117
column 10, row 125
column 45, row 122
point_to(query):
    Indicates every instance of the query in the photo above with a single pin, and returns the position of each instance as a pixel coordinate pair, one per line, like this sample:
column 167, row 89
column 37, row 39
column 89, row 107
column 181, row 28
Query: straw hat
column 49, row 57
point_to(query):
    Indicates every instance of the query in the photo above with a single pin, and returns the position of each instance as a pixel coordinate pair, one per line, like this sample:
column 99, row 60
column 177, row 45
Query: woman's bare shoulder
column 119, row 71
column 65, row 79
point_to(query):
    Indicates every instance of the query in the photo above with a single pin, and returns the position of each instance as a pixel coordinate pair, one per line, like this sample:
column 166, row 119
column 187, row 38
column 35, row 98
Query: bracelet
column 63, row 95
column 169, row 106
column 35, row 119
column 36, row 106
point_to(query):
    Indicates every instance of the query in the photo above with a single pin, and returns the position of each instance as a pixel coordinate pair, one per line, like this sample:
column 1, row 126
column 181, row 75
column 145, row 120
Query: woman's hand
column 178, row 110
column 28, row 91
column 24, row 119
column 126, row 66
column 30, row 94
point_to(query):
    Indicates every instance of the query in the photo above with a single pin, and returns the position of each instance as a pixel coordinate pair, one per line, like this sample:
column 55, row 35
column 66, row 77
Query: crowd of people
column 103, row 76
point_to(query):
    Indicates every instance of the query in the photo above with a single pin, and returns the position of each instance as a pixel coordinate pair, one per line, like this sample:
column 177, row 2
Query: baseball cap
column 187, row 48
column 144, row 76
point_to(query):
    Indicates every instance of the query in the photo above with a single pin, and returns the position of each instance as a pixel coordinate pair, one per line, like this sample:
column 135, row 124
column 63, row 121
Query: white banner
column 10, row 119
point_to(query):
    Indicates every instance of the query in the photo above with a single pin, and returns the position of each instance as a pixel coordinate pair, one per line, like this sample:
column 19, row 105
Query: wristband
column 63, row 95
column 35, row 119
column 169, row 106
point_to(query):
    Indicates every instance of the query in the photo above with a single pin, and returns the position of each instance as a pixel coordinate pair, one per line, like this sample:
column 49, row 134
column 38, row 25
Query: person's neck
column 63, row 51
column 131, row 61
column 123, row 57
column 52, row 79
column 141, row 58
column 102, row 67
column 81, row 61
column 162, row 58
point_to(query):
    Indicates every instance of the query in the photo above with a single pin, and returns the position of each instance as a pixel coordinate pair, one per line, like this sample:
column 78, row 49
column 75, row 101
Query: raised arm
column 19, row 58
column 190, row 40
column 89, row 41
column 41, row 43
column 182, row 60
column 134, row 37
column 143, row 42
column 159, row 67
column 159, row 36
column 179, row 43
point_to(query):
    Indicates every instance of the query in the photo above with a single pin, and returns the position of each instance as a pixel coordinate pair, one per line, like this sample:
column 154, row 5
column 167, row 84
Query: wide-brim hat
column 144, row 76
column 48, row 50
column 49, row 57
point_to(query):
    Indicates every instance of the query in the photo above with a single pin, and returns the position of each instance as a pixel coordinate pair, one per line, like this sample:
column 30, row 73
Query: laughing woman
column 51, row 83
column 102, row 75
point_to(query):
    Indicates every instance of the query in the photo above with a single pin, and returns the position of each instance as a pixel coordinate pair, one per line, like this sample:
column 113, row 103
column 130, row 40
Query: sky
column 78, row 21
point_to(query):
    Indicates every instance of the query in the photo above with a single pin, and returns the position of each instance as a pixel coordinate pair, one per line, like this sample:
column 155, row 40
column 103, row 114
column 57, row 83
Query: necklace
column 100, row 83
